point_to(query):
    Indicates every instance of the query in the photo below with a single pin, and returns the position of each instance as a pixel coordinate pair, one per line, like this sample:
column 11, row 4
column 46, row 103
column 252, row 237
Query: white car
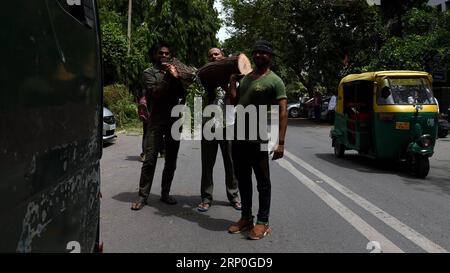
column 293, row 110
column 109, row 126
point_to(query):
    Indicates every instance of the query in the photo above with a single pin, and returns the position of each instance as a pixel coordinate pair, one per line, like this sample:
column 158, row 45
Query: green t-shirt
column 266, row 90
column 263, row 91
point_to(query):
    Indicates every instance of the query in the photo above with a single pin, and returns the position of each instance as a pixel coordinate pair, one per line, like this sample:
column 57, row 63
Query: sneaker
column 242, row 225
column 259, row 231
column 168, row 200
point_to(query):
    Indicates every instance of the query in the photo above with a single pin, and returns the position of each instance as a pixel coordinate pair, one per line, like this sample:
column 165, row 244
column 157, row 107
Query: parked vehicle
column 50, row 124
column 324, row 108
column 387, row 115
column 298, row 109
column 293, row 110
column 109, row 126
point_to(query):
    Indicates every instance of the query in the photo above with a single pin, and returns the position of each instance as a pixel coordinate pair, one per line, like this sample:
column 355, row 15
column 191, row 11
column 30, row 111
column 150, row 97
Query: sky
column 222, row 34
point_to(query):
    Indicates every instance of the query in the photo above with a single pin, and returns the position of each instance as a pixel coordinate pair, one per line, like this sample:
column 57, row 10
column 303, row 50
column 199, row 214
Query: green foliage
column 114, row 50
column 318, row 42
column 189, row 26
column 118, row 99
column 426, row 37
column 294, row 90
column 312, row 38
column 410, row 53
column 118, row 65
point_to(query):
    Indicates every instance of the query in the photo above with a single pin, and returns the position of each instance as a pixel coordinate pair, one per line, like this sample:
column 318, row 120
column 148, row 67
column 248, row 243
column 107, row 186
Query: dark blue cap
column 264, row 46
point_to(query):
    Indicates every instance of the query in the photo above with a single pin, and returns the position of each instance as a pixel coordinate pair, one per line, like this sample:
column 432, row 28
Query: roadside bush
column 118, row 99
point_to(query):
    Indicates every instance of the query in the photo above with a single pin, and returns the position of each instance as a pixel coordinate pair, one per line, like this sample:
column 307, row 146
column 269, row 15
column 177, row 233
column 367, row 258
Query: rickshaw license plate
column 402, row 125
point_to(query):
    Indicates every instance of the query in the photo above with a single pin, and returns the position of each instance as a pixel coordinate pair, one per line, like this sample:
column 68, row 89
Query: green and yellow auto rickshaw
column 387, row 115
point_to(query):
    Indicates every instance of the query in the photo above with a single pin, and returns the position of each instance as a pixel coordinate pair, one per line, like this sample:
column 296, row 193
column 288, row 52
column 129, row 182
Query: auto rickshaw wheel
column 339, row 149
column 421, row 166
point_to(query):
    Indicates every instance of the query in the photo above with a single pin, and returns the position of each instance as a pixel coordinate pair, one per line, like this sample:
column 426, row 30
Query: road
column 319, row 203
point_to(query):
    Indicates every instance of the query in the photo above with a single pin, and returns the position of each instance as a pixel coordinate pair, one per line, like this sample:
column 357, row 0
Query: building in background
column 442, row 5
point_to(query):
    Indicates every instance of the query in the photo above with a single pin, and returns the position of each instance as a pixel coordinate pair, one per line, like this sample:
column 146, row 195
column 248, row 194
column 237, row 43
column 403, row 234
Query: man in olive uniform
column 164, row 90
column 261, row 87
column 209, row 147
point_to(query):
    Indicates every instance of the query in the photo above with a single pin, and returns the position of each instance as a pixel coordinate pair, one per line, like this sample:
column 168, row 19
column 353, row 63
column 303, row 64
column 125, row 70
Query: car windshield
column 406, row 91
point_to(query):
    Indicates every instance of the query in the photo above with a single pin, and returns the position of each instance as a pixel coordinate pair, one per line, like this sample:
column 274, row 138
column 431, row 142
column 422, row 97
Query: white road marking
column 388, row 219
column 357, row 222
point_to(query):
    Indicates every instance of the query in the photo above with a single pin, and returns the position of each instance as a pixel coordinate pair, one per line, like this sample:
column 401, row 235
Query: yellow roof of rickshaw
column 370, row 76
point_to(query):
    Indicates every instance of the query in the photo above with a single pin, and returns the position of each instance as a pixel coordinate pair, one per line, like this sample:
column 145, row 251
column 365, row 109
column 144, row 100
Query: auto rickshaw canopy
column 372, row 76
column 376, row 78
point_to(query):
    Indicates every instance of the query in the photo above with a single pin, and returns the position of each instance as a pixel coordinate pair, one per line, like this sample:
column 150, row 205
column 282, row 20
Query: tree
column 190, row 26
column 312, row 38
column 426, row 37
column 393, row 11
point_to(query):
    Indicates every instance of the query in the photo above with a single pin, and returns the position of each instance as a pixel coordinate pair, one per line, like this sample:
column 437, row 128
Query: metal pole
column 129, row 25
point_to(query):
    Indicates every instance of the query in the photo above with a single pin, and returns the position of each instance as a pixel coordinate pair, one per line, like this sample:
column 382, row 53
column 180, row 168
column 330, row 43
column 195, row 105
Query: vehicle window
column 404, row 91
column 82, row 10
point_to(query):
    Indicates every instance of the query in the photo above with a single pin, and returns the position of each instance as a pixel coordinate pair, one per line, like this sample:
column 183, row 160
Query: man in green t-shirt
column 260, row 87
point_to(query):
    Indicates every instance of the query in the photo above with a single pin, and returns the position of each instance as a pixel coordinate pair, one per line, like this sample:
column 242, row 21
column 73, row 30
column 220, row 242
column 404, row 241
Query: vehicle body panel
column 50, row 129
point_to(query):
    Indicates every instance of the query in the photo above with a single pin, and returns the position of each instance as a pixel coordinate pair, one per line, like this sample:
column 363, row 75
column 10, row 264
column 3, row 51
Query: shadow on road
column 186, row 208
column 368, row 165
column 108, row 144
column 364, row 164
column 132, row 158
column 304, row 122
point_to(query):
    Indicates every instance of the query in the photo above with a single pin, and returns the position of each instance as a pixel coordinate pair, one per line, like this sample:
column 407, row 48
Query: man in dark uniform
column 163, row 90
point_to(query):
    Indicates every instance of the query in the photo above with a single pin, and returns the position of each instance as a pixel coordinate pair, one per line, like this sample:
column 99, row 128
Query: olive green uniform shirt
column 163, row 92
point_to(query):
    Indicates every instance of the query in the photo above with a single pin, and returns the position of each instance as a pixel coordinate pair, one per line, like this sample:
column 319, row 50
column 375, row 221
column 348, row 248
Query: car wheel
column 294, row 113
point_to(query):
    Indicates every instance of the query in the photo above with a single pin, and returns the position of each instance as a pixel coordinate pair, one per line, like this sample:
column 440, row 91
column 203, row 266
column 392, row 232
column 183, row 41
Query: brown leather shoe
column 242, row 225
column 259, row 231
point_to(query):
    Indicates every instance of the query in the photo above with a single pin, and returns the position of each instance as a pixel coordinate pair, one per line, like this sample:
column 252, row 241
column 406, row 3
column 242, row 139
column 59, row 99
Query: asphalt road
column 319, row 203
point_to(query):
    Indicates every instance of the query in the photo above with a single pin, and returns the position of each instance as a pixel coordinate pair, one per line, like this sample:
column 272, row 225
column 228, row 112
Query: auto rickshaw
column 387, row 115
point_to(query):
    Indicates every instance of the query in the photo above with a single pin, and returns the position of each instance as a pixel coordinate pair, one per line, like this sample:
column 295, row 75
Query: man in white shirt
column 331, row 109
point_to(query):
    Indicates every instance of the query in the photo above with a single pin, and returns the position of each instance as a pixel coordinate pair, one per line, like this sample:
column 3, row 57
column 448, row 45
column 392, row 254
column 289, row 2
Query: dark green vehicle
column 50, row 126
column 387, row 115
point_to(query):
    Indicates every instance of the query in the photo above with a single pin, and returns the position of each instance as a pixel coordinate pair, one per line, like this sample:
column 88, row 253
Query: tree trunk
column 307, row 85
